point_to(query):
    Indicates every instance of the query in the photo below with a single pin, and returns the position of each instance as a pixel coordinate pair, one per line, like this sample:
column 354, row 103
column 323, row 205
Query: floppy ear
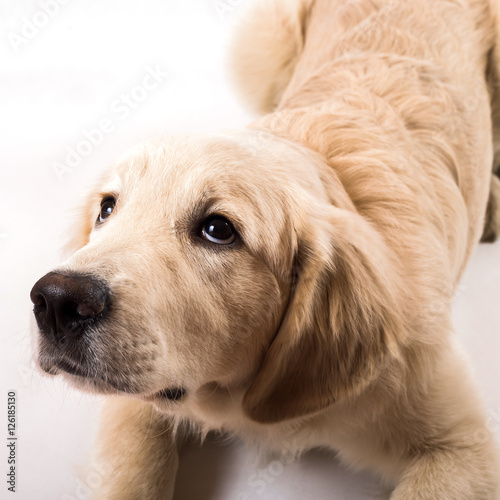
column 341, row 326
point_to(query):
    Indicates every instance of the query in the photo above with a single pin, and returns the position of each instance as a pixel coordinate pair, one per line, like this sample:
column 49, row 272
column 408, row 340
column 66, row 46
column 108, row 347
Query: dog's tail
column 267, row 46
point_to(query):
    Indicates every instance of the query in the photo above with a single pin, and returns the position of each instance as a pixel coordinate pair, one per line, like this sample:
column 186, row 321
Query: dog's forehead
column 179, row 171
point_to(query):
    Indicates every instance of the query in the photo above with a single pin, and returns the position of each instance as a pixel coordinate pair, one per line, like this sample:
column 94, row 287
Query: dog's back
column 434, row 62
column 282, row 35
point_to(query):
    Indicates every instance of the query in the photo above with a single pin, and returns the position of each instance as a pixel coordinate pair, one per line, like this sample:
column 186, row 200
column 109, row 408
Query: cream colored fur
column 268, row 45
column 357, row 200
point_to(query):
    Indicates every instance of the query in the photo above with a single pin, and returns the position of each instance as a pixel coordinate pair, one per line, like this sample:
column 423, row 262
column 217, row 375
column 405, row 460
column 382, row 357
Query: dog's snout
column 67, row 304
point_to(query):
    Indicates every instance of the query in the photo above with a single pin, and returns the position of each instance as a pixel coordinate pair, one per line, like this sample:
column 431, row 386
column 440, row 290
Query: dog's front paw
column 468, row 473
column 140, row 452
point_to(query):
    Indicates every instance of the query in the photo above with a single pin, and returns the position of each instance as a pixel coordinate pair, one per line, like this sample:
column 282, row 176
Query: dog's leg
column 462, row 465
column 452, row 454
column 136, row 452
column 492, row 220
column 447, row 475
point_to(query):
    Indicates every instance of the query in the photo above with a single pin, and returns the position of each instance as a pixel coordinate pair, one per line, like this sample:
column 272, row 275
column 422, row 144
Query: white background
column 60, row 80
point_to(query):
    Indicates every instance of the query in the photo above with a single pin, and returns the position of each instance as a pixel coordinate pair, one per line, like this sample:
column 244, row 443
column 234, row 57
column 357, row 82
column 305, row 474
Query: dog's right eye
column 107, row 207
column 218, row 230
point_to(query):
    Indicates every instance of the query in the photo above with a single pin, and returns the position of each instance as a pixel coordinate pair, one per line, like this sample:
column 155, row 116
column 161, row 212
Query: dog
column 291, row 283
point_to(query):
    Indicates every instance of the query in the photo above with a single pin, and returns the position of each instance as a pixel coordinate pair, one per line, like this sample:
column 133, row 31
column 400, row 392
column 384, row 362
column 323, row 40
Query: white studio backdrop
column 82, row 82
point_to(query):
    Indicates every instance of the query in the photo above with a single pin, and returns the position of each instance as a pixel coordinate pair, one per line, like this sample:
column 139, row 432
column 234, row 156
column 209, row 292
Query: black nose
column 66, row 305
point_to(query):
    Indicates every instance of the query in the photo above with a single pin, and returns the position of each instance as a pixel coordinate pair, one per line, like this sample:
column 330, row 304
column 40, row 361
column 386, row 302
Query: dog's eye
column 218, row 229
column 107, row 207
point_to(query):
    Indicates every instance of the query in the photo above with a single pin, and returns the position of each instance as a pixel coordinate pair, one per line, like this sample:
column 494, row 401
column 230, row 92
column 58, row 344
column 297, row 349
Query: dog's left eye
column 107, row 207
column 218, row 229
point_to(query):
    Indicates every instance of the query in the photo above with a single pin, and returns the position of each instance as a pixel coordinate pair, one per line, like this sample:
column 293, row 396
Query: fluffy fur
column 358, row 200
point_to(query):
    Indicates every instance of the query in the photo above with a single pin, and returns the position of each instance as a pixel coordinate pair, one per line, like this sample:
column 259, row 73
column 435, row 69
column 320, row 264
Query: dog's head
column 235, row 263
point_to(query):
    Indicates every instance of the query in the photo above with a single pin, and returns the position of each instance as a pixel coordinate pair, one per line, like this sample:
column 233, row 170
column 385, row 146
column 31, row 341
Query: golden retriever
column 291, row 283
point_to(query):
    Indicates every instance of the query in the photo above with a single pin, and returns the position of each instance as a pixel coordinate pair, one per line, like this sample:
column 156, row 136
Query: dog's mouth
column 72, row 369
column 55, row 366
column 86, row 377
column 171, row 394
column 103, row 383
